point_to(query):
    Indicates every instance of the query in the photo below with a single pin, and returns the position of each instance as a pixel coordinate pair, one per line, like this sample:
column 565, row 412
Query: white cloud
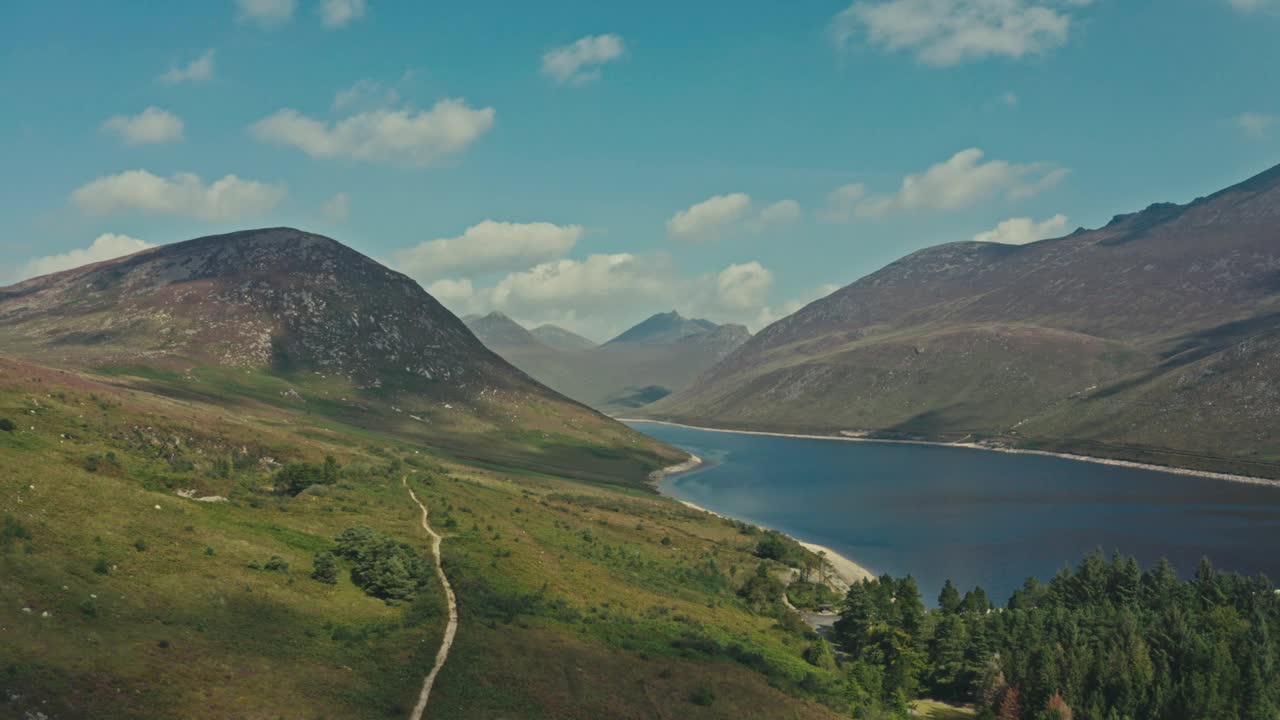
column 105, row 247
column 948, row 32
column 709, row 218
column 455, row 294
column 366, row 93
column 488, row 247
column 265, row 13
column 340, row 13
column 580, row 62
column 960, row 182
column 743, row 287
column 733, row 213
column 198, row 70
column 390, row 136
column 1254, row 124
column 779, row 213
column 1023, row 230
column 185, row 194
column 842, row 202
column 1252, row 6
column 152, row 125
column 337, row 208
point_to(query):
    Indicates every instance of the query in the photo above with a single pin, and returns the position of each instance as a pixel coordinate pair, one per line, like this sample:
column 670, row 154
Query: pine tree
column 949, row 598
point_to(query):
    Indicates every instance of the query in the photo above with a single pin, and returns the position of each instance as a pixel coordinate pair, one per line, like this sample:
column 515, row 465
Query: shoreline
column 846, row 571
column 1172, row 470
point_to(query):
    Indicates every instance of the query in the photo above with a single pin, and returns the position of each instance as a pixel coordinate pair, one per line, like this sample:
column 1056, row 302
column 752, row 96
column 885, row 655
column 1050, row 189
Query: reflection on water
column 976, row 517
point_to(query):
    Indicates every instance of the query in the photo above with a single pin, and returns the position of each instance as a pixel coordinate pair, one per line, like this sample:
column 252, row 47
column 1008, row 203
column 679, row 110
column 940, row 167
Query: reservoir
column 977, row 517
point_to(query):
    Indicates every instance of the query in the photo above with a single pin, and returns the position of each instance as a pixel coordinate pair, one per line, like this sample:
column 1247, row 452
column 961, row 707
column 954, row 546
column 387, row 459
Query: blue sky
column 591, row 163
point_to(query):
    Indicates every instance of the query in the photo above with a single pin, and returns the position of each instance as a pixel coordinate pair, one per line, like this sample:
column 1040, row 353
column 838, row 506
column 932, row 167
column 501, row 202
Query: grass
column 572, row 605
column 934, row 710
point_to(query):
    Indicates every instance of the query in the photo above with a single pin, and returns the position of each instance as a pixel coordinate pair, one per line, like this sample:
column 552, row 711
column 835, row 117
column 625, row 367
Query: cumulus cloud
column 198, row 70
column 780, row 213
column 337, row 208
column 948, row 32
column 580, row 62
column 185, row 194
column 1254, row 124
column 960, row 182
column 105, row 247
column 265, row 13
column 743, row 287
column 389, row 136
column 709, row 218
column 842, row 202
column 150, row 126
column 340, row 13
column 486, row 247
column 365, row 93
column 1023, row 230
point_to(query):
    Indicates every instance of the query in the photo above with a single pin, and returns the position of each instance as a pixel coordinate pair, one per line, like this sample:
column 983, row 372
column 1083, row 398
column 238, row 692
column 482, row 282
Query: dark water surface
column 977, row 517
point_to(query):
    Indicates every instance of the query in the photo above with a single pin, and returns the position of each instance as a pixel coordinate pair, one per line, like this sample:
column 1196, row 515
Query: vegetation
column 383, row 567
column 1106, row 641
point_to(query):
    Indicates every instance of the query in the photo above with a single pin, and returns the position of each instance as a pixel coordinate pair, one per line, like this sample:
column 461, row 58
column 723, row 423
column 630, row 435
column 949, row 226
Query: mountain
column 561, row 339
column 281, row 315
column 1155, row 337
column 647, row 362
column 663, row 328
column 498, row 330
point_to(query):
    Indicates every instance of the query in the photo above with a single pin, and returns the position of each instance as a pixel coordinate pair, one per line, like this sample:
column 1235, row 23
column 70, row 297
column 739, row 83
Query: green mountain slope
column 1150, row 338
column 173, row 486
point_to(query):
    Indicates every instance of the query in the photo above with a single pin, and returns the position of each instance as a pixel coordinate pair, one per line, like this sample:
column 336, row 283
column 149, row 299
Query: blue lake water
column 984, row 518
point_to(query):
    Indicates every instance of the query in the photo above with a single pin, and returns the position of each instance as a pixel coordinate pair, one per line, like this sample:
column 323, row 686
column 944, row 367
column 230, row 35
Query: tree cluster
column 1105, row 641
column 381, row 566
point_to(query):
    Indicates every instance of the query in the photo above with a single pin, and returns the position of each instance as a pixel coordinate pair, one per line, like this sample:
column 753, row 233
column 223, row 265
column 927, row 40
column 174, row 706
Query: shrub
column 295, row 477
column 6, row 425
column 89, row 608
column 140, row 545
column 382, row 567
column 92, row 462
column 324, row 567
column 102, row 567
column 703, row 696
column 12, row 530
column 276, row 564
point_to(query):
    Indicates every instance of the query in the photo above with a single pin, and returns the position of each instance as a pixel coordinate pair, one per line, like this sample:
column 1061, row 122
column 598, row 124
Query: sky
column 591, row 163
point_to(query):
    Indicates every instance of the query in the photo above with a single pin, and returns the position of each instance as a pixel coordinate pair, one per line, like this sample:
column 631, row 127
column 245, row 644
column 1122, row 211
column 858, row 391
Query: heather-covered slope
column 1151, row 338
column 284, row 317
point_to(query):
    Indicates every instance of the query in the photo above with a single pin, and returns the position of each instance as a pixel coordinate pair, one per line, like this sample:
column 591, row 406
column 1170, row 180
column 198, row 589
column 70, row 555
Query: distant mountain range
column 281, row 316
column 1156, row 338
column 662, row 354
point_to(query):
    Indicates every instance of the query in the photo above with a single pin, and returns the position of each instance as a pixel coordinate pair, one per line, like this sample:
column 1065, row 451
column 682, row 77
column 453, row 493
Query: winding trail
column 452, row 628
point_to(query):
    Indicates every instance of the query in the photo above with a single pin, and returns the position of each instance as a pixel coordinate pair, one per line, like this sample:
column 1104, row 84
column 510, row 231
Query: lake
column 979, row 518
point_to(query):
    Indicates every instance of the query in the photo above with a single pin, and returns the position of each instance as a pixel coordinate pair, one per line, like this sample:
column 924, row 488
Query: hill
column 205, row 457
column 561, row 339
column 283, row 317
column 663, row 328
column 1151, row 338
column 646, row 362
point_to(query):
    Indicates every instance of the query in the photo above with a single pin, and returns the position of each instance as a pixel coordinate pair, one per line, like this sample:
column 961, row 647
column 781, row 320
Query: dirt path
column 452, row 628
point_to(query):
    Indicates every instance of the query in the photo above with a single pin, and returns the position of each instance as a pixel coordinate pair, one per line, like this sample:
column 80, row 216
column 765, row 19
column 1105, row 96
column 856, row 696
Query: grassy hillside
column 578, row 599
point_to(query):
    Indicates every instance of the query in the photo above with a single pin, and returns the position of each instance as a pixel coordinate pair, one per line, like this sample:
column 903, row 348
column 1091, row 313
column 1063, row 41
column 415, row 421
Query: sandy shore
column 975, row 446
column 846, row 571
column 693, row 462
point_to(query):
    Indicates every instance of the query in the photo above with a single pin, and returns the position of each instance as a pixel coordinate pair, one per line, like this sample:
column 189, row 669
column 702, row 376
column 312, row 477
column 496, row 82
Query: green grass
column 572, row 605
